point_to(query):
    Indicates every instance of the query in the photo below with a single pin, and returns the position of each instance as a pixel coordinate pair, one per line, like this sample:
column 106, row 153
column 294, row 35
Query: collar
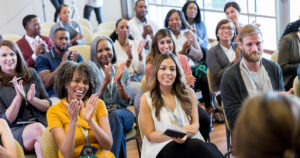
column 53, row 53
column 139, row 22
column 31, row 40
column 225, row 49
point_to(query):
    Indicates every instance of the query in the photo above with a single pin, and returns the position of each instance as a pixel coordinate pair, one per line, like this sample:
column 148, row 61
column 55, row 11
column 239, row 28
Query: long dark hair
column 291, row 27
column 114, row 36
column 197, row 19
column 232, row 4
column 21, row 69
column 180, row 89
column 184, row 24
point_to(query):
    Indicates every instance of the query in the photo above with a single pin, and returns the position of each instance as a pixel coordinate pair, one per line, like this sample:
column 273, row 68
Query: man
column 33, row 44
column 48, row 64
column 252, row 74
column 141, row 28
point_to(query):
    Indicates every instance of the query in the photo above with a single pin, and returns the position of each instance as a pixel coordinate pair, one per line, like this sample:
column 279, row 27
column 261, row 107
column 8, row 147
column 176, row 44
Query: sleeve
column 40, row 86
column 49, row 43
column 80, row 58
column 203, row 39
column 42, row 64
column 53, row 28
column 53, row 117
column 101, row 109
column 285, row 54
column 81, row 41
column 30, row 62
column 195, row 54
column 280, row 78
column 231, row 97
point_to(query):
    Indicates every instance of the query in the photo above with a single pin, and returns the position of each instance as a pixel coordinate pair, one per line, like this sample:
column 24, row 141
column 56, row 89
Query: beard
column 252, row 58
column 62, row 49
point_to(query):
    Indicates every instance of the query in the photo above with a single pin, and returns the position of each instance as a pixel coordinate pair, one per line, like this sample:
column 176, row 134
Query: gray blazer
column 217, row 62
column 289, row 58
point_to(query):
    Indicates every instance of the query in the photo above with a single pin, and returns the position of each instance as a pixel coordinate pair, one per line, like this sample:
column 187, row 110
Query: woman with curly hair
column 24, row 100
column 79, row 122
column 169, row 103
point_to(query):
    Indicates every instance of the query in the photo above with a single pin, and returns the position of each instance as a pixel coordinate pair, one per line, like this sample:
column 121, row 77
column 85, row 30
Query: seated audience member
column 141, row 27
column 74, row 28
column 232, row 11
column 91, row 5
column 249, row 75
column 24, row 100
column 223, row 55
column 130, row 52
column 192, row 14
column 7, row 142
column 49, row 63
column 169, row 103
column 79, row 122
column 33, row 43
column 268, row 127
column 289, row 53
column 187, row 44
column 114, row 92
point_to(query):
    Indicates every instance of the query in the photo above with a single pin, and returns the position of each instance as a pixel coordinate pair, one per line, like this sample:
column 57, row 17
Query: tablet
column 174, row 133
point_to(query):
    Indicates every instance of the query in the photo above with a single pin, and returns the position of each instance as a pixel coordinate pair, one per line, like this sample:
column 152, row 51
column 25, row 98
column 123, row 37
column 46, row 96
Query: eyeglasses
column 226, row 28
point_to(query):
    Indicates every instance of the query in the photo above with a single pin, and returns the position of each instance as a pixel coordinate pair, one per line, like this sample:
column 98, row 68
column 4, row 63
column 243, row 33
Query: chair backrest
column 275, row 56
column 144, row 84
column 20, row 151
column 11, row 37
column 107, row 26
column 88, row 36
column 210, row 82
column 106, row 33
column 83, row 50
column 296, row 87
column 86, row 23
column 46, row 27
column 49, row 148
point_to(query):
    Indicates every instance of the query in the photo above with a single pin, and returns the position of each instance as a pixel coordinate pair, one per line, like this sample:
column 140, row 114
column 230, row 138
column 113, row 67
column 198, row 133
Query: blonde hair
column 248, row 30
column 268, row 127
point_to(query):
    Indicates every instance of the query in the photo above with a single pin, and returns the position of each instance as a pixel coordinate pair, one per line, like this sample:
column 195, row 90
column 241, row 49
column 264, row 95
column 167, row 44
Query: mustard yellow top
column 58, row 116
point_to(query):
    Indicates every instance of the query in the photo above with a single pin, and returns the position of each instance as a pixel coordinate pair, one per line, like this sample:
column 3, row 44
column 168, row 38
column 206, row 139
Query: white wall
column 12, row 12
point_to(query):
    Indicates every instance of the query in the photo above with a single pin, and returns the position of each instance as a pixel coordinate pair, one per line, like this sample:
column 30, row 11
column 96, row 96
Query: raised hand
column 74, row 55
column 190, row 79
column 129, row 52
column 142, row 44
column 89, row 111
column 120, row 72
column 65, row 56
column 31, row 93
column 73, row 109
column 18, row 87
column 107, row 72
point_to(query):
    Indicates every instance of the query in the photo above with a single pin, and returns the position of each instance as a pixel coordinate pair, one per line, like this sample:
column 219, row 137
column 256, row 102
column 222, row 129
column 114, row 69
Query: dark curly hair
column 66, row 72
column 291, row 27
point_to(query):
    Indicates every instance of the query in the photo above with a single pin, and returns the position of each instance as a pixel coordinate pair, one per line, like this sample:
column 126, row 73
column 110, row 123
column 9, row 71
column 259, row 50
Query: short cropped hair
column 27, row 19
column 66, row 72
column 248, row 30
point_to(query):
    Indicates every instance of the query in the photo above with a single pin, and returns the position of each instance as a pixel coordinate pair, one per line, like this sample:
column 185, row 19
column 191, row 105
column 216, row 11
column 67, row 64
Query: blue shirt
column 201, row 34
column 49, row 62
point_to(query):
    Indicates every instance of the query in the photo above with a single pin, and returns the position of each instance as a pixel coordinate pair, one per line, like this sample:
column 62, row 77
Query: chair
column 86, row 23
column 83, row 50
column 275, row 56
column 88, row 36
column 11, row 37
column 228, row 135
column 132, row 135
column 144, row 84
column 20, row 151
column 296, row 87
column 49, row 148
column 46, row 27
column 210, row 86
column 106, row 33
column 107, row 26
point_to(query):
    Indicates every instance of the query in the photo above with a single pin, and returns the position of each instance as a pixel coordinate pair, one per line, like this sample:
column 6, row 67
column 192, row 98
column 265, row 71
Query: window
column 212, row 12
column 294, row 10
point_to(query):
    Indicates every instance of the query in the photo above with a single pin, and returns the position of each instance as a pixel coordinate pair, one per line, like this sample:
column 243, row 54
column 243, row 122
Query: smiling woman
column 79, row 122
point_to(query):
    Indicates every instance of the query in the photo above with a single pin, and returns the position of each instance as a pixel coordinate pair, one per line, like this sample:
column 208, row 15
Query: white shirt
column 32, row 43
column 136, row 65
column 230, row 53
column 94, row 3
column 136, row 28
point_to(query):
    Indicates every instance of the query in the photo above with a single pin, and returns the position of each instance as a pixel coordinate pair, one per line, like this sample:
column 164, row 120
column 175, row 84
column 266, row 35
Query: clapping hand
column 120, row 72
column 74, row 55
column 107, row 72
column 31, row 93
column 129, row 52
column 89, row 111
column 73, row 109
column 18, row 87
column 140, row 50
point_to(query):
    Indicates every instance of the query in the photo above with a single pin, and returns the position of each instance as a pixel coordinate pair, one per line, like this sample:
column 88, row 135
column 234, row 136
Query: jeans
column 121, row 121
column 87, row 12
column 56, row 4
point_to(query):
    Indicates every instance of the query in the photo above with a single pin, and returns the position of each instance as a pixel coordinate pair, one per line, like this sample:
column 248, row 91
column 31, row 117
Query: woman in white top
column 129, row 52
column 169, row 103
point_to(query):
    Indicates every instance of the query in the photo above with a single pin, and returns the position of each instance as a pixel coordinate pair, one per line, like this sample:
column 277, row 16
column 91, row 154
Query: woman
column 74, row 28
column 24, row 100
column 162, row 42
column 186, row 43
column 7, row 141
column 114, row 92
column 167, row 93
column 268, row 127
column 79, row 122
column 289, row 53
column 232, row 11
column 192, row 14
column 223, row 55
